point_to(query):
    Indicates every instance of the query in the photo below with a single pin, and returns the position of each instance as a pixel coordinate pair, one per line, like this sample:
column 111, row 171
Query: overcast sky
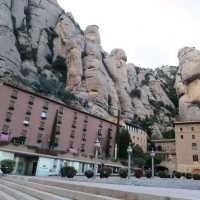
column 150, row 31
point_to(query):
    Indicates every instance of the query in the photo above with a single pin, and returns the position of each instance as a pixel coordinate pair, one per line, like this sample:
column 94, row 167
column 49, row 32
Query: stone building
column 166, row 148
column 32, row 125
column 187, row 146
column 138, row 136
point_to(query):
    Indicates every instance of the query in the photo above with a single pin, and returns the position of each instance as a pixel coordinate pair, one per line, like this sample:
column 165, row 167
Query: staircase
column 23, row 188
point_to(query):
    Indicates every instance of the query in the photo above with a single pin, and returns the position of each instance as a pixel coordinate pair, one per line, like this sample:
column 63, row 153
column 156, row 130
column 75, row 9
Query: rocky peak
column 45, row 49
column 188, row 84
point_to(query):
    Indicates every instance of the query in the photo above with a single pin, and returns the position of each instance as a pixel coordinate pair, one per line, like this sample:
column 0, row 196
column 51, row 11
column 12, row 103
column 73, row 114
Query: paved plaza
column 113, row 188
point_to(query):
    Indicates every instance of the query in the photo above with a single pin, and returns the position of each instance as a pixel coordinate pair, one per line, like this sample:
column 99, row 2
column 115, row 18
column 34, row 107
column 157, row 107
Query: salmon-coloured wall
column 82, row 121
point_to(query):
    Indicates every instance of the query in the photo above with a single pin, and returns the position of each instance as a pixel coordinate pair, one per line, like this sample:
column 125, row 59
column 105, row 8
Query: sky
column 150, row 31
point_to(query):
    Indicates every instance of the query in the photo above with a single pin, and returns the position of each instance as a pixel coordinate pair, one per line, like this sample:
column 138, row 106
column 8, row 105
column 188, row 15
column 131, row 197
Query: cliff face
column 188, row 84
column 43, row 48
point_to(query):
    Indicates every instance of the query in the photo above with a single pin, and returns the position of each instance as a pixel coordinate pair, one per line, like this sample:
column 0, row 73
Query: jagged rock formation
column 188, row 84
column 43, row 48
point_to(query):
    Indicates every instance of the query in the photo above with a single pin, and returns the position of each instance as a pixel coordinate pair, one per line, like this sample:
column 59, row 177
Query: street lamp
column 97, row 146
column 129, row 151
column 152, row 162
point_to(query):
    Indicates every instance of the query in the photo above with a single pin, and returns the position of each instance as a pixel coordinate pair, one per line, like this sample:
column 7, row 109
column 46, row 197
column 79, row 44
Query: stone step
column 4, row 196
column 112, row 190
column 13, row 193
column 63, row 192
column 35, row 193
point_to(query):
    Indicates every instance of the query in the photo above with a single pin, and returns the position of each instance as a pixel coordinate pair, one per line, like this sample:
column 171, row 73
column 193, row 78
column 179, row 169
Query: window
column 5, row 128
column 59, row 119
column 28, row 111
column 194, row 146
column 181, row 136
column 84, row 137
column 73, row 126
column 75, row 115
column 57, row 130
column 110, row 129
column 11, row 105
column 42, row 125
column 56, row 142
column 192, row 128
column 60, row 110
column 43, row 115
column 26, row 121
column 71, row 143
column 86, row 119
column 181, row 129
column 39, row 138
column 193, row 137
column 99, row 133
column 31, row 100
column 8, row 116
column 14, row 94
column 85, row 128
column 45, row 106
column 195, row 158
column 82, row 148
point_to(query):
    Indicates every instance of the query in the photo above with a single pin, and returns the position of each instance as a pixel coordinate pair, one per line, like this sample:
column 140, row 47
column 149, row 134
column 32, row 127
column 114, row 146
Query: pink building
column 41, row 123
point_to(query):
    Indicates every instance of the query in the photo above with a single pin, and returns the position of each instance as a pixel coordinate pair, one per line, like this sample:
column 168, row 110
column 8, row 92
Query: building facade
column 43, row 125
column 138, row 136
column 166, row 148
column 188, row 146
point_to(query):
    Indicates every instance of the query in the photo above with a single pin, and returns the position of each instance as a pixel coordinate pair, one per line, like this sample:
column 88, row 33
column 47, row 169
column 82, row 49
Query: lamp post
column 152, row 162
column 129, row 151
column 97, row 146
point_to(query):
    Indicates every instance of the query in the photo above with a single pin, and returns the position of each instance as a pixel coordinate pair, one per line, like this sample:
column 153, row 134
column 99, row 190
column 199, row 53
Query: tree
column 139, row 162
column 137, row 151
column 123, row 139
column 157, row 160
column 138, row 156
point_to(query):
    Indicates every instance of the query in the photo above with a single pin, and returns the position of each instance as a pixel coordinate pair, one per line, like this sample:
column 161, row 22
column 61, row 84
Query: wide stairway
column 24, row 188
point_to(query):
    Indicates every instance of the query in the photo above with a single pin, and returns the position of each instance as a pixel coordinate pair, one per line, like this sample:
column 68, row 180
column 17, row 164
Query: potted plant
column 68, row 171
column 105, row 172
column 89, row 173
column 138, row 173
column 148, row 173
column 123, row 173
column 7, row 166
